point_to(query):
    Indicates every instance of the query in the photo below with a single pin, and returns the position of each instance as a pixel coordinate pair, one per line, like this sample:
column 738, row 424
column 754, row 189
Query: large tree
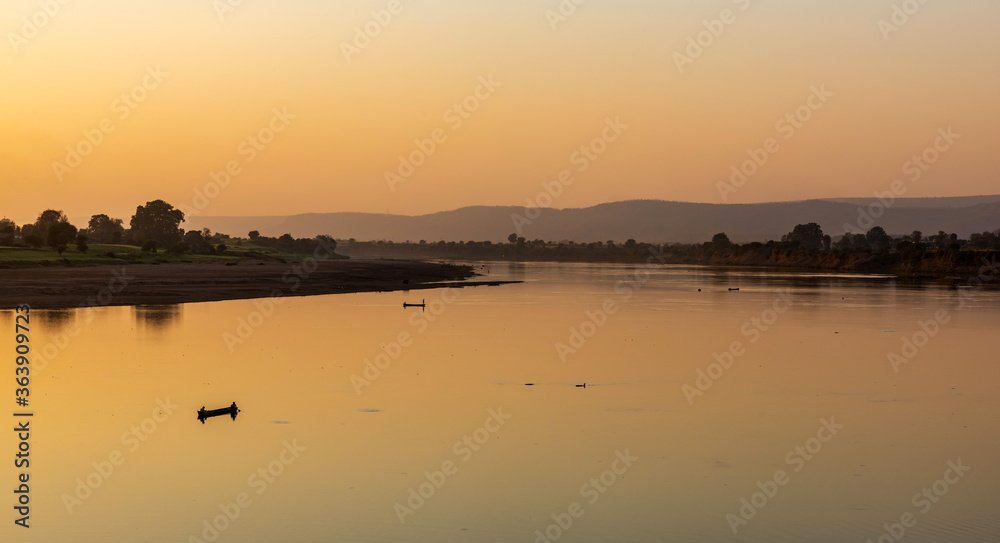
column 61, row 233
column 7, row 227
column 721, row 241
column 47, row 219
column 877, row 238
column 809, row 236
column 104, row 229
column 157, row 221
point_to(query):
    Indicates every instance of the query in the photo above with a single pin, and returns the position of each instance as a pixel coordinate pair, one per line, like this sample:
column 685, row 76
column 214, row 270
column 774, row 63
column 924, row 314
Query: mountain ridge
column 657, row 221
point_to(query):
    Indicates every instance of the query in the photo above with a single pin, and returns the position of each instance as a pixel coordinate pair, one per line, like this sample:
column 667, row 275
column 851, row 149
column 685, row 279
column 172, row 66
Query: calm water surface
column 663, row 444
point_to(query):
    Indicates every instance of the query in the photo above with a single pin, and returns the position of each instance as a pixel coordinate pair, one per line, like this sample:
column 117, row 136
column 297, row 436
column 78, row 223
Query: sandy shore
column 142, row 284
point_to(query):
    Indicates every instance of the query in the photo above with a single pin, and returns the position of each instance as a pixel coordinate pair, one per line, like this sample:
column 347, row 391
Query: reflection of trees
column 53, row 320
column 157, row 316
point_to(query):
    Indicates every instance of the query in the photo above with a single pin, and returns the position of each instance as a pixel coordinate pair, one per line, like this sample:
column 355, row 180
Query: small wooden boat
column 203, row 413
column 421, row 304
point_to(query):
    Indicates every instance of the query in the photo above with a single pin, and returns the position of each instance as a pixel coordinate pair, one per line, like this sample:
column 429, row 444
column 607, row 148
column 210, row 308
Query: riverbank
column 913, row 262
column 145, row 284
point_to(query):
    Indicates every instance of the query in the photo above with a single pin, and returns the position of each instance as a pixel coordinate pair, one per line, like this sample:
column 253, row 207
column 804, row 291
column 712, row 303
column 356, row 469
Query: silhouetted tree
column 158, row 221
column 808, row 236
column 253, row 235
column 986, row 240
column 60, row 233
column 877, row 238
column 512, row 238
column 721, row 241
column 34, row 241
column 104, row 229
column 7, row 227
column 941, row 239
column 46, row 220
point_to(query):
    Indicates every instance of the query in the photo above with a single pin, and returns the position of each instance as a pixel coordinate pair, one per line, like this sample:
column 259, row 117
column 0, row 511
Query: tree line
column 155, row 226
column 806, row 245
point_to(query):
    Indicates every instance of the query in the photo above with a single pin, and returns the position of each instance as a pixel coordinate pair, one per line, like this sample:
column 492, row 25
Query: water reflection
column 157, row 317
column 382, row 397
column 54, row 320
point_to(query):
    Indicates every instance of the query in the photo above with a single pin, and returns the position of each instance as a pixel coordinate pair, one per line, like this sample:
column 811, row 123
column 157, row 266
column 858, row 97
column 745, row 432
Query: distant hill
column 644, row 220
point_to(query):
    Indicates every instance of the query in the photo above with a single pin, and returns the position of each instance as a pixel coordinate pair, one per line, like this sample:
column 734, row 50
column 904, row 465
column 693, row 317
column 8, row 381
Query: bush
column 221, row 248
column 179, row 248
column 81, row 246
column 109, row 254
column 33, row 241
column 61, row 249
column 149, row 246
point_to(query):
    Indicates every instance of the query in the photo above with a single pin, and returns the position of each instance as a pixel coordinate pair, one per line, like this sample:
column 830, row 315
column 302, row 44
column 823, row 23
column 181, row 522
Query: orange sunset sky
column 224, row 66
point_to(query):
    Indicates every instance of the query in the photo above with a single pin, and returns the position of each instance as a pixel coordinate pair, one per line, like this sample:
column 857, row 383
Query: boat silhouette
column 203, row 413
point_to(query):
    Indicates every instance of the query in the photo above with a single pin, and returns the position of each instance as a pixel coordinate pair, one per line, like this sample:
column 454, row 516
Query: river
column 801, row 407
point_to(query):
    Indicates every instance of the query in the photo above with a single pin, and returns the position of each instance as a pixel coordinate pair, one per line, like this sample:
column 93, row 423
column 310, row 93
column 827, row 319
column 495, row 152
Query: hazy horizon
column 30, row 218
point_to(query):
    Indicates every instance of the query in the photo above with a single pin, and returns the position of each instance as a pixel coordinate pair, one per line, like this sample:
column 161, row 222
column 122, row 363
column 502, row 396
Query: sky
column 310, row 104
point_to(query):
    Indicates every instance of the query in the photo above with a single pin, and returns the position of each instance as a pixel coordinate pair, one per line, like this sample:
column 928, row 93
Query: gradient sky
column 610, row 59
